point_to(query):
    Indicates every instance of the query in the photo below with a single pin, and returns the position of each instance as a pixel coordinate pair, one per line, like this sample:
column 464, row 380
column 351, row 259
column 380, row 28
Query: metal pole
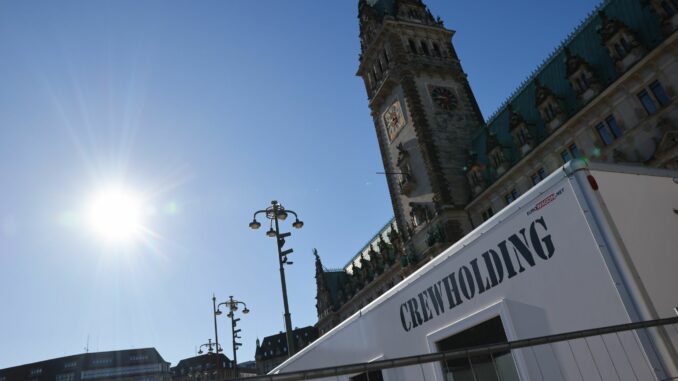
column 216, row 336
column 288, row 318
column 235, row 356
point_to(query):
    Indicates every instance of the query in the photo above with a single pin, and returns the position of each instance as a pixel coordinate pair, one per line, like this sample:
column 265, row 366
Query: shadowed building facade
column 126, row 365
column 272, row 350
column 607, row 93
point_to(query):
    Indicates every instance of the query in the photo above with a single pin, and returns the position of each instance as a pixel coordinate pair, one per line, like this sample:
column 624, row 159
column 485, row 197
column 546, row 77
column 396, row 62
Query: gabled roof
column 276, row 345
column 383, row 7
column 206, row 361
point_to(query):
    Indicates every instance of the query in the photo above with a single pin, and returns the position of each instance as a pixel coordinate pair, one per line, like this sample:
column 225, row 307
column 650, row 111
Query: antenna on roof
column 87, row 344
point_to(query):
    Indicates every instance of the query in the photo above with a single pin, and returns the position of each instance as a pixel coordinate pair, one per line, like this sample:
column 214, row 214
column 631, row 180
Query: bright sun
column 115, row 214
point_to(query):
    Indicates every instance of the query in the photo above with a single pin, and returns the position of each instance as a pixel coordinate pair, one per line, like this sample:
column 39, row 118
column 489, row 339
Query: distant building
column 607, row 93
column 247, row 369
column 272, row 350
column 125, row 365
column 204, row 367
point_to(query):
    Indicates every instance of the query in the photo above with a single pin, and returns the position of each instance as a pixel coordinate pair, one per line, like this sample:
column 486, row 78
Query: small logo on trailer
column 546, row 200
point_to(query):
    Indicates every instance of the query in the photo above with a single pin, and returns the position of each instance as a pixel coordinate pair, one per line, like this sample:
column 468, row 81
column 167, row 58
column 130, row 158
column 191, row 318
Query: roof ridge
column 549, row 58
column 360, row 252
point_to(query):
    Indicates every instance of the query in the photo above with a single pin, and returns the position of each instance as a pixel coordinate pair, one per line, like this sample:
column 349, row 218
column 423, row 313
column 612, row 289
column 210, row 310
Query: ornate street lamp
column 209, row 346
column 232, row 306
column 275, row 213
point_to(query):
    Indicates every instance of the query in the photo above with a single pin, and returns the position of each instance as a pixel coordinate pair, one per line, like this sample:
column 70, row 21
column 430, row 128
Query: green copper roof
column 584, row 41
column 382, row 6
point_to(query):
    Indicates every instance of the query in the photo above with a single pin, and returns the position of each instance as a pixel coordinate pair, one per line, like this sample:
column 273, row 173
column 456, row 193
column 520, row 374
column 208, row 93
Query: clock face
column 444, row 98
column 394, row 120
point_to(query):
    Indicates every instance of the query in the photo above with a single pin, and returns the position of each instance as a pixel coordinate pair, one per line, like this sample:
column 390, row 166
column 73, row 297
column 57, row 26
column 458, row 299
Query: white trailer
column 592, row 245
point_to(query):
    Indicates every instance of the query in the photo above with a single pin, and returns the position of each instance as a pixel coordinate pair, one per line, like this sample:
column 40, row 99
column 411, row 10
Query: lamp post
column 277, row 212
column 216, row 335
column 232, row 306
column 209, row 346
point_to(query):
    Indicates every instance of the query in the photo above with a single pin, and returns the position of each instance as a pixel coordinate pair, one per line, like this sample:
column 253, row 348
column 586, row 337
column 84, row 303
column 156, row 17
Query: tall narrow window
column 659, row 93
column 436, row 50
column 647, row 102
column 538, row 176
column 608, row 131
column 494, row 367
column 511, row 196
column 670, row 11
column 413, row 46
column 572, row 152
column 424, row 48
column 487, row 214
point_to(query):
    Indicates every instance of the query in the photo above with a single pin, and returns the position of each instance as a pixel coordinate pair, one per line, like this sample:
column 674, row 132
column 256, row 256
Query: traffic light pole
column 288, row 318
column 235, row 332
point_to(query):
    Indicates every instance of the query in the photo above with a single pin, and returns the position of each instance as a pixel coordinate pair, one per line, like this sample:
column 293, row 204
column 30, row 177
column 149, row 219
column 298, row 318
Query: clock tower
column 424, row 114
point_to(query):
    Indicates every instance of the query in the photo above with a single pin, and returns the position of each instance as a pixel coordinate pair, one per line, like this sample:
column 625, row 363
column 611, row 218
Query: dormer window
column 667, row 11
column 581, row 77
column 519, row 131
column 475, row 179
column 497, row 157
column 620, row 41
column 549, row 106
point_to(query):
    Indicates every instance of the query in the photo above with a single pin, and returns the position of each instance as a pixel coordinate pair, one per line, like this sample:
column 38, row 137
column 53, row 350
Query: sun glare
column 115, row 214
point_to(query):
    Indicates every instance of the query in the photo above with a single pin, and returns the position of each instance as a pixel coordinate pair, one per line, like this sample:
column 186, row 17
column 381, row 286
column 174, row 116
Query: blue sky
column 212, row 108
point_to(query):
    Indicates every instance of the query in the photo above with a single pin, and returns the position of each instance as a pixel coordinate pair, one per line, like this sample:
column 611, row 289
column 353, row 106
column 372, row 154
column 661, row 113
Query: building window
column 102, row 362
column 70, row 364
column 497, row 158
column 36, row 371
column 374, row 375
column 659, row 93
column 622, row 47
column 521, row 136
column 609, row 130
column 436, row 50
column 490, row 367
column 650, row 103
column 413, row 46
column 487, row 214
column 424, row 48
column 671, row 8
column 647, row 102
column 511, row 196
column 572, row 152
column 538, row 176
column 475, row 179
column 65, row 377
column 582, row 82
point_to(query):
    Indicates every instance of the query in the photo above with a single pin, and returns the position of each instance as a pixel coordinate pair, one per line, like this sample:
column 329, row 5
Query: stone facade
column 608, row 93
